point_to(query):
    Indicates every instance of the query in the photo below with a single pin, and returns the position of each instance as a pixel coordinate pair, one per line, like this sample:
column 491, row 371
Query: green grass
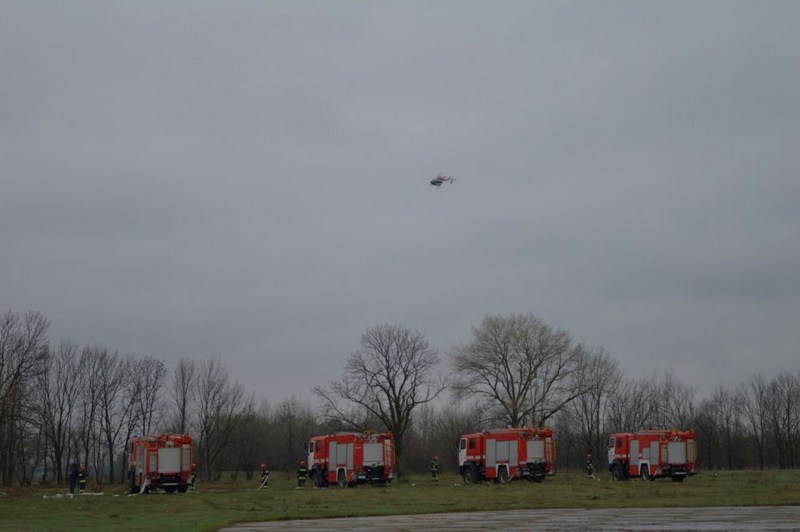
column 212, row 506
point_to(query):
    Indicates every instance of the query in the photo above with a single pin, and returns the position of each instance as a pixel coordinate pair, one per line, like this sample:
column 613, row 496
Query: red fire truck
column 350, row 458
column 651, row 454
column 160, row 461
column 505, row 454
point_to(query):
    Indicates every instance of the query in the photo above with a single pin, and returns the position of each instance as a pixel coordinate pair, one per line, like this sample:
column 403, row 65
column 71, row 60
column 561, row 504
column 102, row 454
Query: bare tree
column 753, row 396
column 782, row 416
column 673, row 401
column 387, row 379
column 219, row 406
column 292, row 425
column 590, row 409
column 34, row 449
column 57, row 396
column 249, row 443
column 113, row 412
column 23, row 349
column 87, row 436
column 524, row 370
column 184, row 381
column 142, row 391
column 631, row 407
column 147, row 379
column 436, row 432
column 722, row 414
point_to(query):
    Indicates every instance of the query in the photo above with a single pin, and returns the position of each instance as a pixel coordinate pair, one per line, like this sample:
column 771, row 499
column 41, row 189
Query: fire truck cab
column 505, row 454
column 162, row 461
column 651, row 454
column 350, row 458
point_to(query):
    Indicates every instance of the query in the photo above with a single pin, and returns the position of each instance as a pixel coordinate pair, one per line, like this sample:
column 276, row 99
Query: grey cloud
column 250, row 179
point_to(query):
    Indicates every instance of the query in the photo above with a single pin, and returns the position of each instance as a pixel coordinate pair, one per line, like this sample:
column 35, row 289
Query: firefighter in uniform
column 435, row 469
column 589, row 464
column 302, row 474
column 192, row 475
column 82, row 479
column 264, row 476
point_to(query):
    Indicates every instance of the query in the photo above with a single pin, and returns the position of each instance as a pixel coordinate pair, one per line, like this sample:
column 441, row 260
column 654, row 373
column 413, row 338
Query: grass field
column 212, row 506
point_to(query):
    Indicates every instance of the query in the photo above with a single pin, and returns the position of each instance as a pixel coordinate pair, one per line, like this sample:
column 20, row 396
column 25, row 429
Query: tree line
column 66, row 403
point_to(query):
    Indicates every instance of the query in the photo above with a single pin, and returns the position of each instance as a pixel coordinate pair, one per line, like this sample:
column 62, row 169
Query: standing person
column 264, row 476
column 302, row 474
column 435, row 469
column 82, row 479
column 192, row 475
column 73, row 477
column 589, row 464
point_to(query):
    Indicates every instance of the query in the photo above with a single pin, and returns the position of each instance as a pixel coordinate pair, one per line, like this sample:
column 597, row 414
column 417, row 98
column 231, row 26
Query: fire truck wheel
column 341, row 479
column 502, row 475
column 470, row 475
column 616, row 473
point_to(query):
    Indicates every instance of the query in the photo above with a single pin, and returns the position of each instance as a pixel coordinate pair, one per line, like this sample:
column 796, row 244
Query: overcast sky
column 250, row 179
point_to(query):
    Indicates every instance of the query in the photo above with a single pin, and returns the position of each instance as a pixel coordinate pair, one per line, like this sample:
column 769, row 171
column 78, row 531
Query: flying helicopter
column 441, row 178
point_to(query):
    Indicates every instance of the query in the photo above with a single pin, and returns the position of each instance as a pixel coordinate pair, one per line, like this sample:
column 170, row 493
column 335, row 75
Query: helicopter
column 441, row 178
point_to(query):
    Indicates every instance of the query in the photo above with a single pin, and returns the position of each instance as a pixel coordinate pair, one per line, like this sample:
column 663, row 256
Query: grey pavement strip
column 641, row 519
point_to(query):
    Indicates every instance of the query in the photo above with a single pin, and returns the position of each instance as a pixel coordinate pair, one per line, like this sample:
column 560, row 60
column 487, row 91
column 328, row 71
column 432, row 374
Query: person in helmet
column 192, row 475
column 302, row 474
column 435, row 469
column 82, row 479
column 264, row 476
column 590, row 464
